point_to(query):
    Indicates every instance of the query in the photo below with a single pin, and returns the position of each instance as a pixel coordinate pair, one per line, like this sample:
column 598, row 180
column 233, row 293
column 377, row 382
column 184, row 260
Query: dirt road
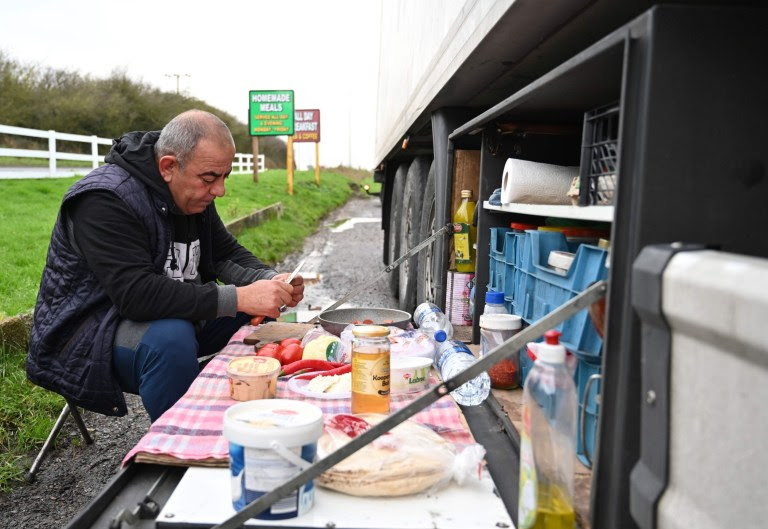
column 345, row 251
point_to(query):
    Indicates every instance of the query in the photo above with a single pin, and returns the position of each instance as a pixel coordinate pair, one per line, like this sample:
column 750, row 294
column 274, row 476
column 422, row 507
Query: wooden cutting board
column 274, row 331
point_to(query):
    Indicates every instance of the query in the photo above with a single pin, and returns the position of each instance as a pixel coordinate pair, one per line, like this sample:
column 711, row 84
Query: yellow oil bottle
column 464, row 233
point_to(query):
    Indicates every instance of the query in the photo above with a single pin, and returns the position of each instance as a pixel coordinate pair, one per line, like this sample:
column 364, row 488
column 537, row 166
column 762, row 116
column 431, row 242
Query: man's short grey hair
column 180, row 136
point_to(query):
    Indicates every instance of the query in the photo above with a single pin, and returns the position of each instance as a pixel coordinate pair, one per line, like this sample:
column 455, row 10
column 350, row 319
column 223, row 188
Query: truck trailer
column 678, row 90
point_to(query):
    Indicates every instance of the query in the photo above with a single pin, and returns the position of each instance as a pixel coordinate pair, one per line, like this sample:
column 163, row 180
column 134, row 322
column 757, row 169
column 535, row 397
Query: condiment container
column 496, row 329
column 253, row 377
column 270, row 441
column 409, row 374
column 370, row 369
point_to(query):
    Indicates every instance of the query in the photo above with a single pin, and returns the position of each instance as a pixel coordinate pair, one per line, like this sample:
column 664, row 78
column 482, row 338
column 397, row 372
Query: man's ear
column 166, row 165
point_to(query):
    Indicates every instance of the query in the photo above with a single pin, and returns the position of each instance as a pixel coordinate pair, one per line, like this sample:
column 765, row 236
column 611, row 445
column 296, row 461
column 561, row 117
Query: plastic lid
column 440, row 335
column 253, row 366
column 257, row 423
column 551, row 351
column 494, row 297
column 500, row 322
column 466, row 193
column 370, row 331
column 521, row 226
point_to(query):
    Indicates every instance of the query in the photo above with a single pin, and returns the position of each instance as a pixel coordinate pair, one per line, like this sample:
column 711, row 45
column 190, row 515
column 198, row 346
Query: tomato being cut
column 290, row 353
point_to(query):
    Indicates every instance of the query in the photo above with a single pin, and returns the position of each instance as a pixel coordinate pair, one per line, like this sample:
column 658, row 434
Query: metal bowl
column 335, row 321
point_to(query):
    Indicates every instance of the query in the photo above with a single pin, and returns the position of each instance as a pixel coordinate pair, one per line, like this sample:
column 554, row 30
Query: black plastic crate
column 599, row 156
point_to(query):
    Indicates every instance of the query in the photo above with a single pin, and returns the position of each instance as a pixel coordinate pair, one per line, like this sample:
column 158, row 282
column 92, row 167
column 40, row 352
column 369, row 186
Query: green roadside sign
column 270, row 112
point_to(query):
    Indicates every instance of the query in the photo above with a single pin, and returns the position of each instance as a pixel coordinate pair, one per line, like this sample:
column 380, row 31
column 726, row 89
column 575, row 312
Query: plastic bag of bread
column 409, row 459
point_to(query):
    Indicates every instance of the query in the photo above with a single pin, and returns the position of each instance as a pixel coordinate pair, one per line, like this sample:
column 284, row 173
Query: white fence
column 242, row 163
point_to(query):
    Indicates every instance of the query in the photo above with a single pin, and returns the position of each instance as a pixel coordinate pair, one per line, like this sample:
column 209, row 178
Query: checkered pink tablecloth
column 192, row 429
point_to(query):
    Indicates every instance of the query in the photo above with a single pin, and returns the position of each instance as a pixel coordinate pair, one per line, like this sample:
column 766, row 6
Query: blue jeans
column 158, row 359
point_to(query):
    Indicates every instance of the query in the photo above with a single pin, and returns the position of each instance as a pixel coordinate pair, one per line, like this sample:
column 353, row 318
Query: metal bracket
column 146, row 509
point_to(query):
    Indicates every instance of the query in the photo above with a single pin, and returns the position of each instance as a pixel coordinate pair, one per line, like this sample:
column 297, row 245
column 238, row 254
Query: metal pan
column 335, row 321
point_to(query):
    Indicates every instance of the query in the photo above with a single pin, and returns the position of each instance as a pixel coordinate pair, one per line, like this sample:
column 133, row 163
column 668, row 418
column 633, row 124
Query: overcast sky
column 324, row 50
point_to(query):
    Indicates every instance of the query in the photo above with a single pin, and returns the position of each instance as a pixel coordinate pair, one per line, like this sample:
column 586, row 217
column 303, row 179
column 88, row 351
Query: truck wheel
column 425, row 287
column 395, row 212
column 410, row 223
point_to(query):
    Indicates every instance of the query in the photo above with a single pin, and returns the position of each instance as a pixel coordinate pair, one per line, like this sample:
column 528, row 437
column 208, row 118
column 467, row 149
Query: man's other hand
column 298, row 288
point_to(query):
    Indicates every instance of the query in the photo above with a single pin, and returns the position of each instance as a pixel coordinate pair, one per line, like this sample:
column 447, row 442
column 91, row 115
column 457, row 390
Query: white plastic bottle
column 494, row 303
column 547, row 441
column 430, row 319
column 454, row 357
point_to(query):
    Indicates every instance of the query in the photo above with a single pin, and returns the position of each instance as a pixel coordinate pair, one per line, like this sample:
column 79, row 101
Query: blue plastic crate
column 591, row 404
column 510, row 247
column 523, row 294
column 498, row 240
column 496, row 271
column 552, row 289
column 509, row 279
column 508, row 304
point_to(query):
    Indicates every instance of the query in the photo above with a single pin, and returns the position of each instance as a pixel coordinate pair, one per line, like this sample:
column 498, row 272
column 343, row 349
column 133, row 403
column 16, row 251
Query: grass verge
column 27, row 412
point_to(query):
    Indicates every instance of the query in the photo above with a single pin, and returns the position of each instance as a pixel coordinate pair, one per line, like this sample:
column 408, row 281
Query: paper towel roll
column 536, row 183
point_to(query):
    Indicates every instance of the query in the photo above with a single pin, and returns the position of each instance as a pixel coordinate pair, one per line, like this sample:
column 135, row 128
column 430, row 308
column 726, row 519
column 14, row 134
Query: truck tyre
column 410, row 222
column 426, row 274
column 395, row 212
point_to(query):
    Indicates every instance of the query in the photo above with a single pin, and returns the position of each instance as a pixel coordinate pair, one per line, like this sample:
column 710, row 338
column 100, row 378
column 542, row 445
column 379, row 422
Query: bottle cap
column 370, row 331
column 440, row 335
column 551, row 351
column 500, row 322
column 466, row 193
column 494, row 297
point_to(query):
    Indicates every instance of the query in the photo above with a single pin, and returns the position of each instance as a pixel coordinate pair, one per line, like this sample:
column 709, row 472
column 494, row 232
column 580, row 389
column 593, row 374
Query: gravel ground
column 342, row 253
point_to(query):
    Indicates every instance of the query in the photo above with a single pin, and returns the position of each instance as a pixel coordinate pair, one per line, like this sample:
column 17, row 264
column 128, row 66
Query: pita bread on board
column 409, row 459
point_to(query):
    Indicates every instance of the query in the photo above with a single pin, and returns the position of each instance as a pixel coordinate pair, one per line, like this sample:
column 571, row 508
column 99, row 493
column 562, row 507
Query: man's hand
column 298, row 288
column 265, row 297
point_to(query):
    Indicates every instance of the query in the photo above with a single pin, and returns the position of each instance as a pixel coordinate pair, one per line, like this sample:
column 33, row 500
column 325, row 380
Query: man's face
column 194, row 186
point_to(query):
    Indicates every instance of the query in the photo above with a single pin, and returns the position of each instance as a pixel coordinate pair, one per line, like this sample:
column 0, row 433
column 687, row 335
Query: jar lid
column 370, row 331
column 494, row 297
column 500, row 322
column 253, row 366
column 466, row 193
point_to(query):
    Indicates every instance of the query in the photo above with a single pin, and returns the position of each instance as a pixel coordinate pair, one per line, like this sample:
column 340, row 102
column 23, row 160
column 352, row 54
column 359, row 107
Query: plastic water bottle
column 547, row 440
column 494, row 303
column 454, row 357
column 430, row 319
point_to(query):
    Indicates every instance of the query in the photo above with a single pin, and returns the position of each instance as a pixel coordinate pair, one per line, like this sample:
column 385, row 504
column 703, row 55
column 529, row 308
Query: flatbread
column 409, row 459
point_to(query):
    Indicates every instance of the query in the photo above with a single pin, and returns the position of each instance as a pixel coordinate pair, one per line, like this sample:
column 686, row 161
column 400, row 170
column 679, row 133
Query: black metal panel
column 492, row 428
column 692, row 167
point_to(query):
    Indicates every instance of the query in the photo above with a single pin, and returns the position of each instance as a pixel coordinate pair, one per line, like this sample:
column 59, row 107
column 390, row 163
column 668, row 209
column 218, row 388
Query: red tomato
column 289, row 341
column 271, row 350
column 290, row 353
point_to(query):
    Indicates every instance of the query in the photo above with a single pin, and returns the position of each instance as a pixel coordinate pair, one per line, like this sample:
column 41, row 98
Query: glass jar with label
column 370, row 369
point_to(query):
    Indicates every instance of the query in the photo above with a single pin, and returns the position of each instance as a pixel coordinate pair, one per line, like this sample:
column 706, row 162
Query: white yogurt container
column 270, row 441
column 409, row 374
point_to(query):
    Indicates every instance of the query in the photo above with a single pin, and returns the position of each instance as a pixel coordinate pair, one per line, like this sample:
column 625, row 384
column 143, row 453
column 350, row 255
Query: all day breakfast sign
column 307, row 126
column 270, row 112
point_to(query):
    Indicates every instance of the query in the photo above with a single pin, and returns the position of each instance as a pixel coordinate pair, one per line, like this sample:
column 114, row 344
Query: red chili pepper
column 346, row 368
column 314, row 365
